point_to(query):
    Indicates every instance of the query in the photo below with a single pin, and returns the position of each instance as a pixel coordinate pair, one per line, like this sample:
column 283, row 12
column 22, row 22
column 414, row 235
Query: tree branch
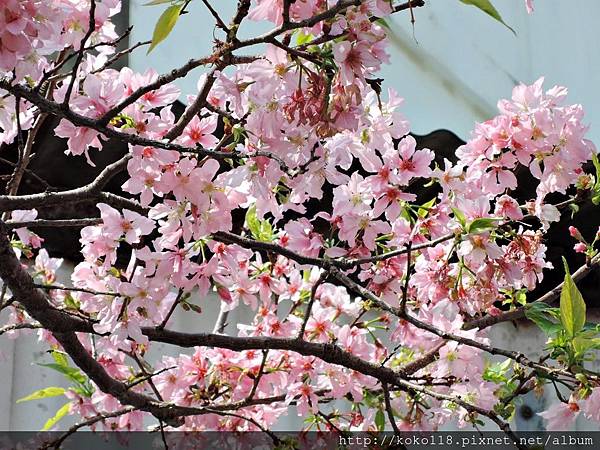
column 549, row 298
column 80, row 53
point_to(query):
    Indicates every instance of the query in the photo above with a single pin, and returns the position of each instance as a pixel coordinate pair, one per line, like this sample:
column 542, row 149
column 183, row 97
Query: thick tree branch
column 87, row 192
column 53, row 223
column 23, row 289
column 330, row 353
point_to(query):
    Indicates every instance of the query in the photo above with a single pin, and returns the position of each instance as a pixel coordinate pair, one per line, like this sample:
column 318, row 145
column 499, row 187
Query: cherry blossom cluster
column 534, row 130
column 387, row 280
column 32, row 30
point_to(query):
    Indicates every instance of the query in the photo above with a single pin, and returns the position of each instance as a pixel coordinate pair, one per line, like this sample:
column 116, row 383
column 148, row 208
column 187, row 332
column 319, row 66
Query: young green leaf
column 425, row 207
column 458, row 215
column 62, row 412
column 60, row 358
column 165, row 25
column 596, row 187
column 252, row 222
column 582, row 344
column 380, row 420
column 572, row 305
column 597, row 166
column 43, row 393
column 261, row 230
column 384, row 23
column 482, row 224
column 157, row 2
column 303, row 38
column 497, row 373
column 70, row 372
column 487, row 7
column 541, row 314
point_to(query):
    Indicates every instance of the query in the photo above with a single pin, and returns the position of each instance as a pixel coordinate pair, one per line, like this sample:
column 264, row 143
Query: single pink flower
column 560, row 416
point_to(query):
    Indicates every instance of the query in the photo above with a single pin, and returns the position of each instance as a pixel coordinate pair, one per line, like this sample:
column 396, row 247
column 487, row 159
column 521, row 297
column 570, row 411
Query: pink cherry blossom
column 302, row 239
column 591, row 405
column 529, row 6
column 560, row 416
column 130, row 225
column 307, row 399
column 199, row 132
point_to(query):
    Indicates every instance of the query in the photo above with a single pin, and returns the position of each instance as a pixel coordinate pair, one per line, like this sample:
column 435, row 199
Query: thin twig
column 216, row 16
column 388, row 407
column 258, row 377
column 20, row 326
column 81, row 53
column 43, row 182
column 51, row 287
column 86, row 423
column 313, row 294
column 171, row 310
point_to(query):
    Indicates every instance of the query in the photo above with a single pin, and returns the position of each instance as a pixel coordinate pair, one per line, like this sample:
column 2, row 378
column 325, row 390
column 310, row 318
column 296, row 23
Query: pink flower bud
column 224, row 294
column 493, row 311
column 580, row 247
column 574, row 232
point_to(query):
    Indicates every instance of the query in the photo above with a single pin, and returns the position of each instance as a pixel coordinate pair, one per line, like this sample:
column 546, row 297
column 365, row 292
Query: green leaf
column 541, row 314
column 482, row 224
column 405, row 214
column 458, row 215
column 595, row 344
column 83, row 385
column 496, row 373
column 572, row 306
column 165, row 25
column 60, row 358
column 303, row 38
column 425, row 207
column 261, row 230
column 43, row 393
column 157, row 2
column 521, row 297
column 380, row 420
column 252, row 222
column 70, row 372
column 582, row 344
column 597, row 166
column 596, row 188
column 239, row 133
column 487, row 7
column 71, row 302
column 62, row 412
column 384, row 24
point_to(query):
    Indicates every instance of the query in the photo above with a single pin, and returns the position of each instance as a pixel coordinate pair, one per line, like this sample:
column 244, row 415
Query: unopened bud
column 574, row 232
